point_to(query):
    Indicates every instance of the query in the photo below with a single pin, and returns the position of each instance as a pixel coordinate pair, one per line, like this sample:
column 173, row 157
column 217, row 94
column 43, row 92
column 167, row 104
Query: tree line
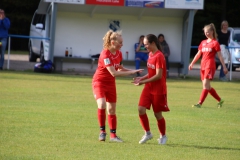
column 215, row 11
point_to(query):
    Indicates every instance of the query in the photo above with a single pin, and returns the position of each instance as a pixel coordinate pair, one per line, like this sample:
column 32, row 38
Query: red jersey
column 105, row 60
column 156, row 61
column 209, row 50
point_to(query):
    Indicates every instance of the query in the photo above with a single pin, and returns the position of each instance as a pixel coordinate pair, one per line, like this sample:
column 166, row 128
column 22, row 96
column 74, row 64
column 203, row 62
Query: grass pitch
column 52, row 116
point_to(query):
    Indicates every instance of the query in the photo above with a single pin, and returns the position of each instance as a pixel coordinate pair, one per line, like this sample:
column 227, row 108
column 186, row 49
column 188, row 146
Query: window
column 39, row 18
column 236, row 37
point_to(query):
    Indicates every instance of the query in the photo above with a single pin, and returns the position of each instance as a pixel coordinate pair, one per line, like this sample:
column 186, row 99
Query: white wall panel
column 84, row 33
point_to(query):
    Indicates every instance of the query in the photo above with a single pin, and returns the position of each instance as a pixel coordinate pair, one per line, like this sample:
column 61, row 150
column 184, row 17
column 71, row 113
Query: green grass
column 53, row 116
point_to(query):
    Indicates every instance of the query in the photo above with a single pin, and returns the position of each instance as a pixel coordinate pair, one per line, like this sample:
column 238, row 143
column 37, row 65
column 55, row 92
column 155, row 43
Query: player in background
column 103, row 83
column 154, row 92
column 208, row 49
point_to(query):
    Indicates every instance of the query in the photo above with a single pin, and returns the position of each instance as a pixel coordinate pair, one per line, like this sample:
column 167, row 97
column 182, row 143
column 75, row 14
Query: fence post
column 9, row 47
column 230, row 75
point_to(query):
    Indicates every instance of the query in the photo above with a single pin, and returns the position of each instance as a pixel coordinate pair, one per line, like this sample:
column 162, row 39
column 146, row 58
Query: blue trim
column 194, row 46
column 21, row 36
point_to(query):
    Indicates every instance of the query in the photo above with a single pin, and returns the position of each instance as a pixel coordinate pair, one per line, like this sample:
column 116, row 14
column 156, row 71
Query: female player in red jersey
column 103, row 83
column 208, row 49
column 155, row 90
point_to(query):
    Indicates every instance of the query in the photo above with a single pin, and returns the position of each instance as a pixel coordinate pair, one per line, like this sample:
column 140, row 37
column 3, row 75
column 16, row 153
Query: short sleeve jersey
column 142, row 48
column 208, row 50
column 105, row 60
column 157, row 61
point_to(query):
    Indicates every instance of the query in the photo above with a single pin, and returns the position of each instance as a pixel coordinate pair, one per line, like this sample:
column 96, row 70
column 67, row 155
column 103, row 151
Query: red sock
column 112, row 122
column 203, row 96
column 144, row 122
column 102, row 119
column 162, row 126
column 213, row 92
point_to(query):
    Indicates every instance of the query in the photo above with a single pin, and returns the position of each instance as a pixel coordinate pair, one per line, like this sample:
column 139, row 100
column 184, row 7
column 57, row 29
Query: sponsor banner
column 67, row 1
column 146, row 4
column 184, row 4
column 106, row 2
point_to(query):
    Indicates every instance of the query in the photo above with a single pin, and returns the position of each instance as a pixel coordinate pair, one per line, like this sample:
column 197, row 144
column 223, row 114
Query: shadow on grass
column 202, row 147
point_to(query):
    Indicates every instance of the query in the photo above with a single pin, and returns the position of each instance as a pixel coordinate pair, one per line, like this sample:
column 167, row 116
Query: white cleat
column 162, row 140
column 116, row 139
column 145, row 138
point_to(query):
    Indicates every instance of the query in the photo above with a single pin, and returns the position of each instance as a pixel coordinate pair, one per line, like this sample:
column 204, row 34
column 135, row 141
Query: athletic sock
column 144, row 122
column 102, row 119
column 148, row 133
column 213, row 92
column 162, row 126
column 112, row 122
column 203, row 96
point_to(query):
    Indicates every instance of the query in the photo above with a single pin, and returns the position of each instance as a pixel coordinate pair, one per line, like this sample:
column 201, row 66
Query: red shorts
column 102, row 90
column 208, row 73
column 158, row 102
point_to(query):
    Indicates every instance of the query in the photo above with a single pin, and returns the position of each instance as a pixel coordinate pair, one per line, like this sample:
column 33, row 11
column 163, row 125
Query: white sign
column 67, row 1
column 184, row 4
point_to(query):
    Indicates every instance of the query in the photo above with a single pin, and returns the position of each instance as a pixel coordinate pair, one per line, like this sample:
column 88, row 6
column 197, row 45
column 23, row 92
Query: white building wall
column 84, row 33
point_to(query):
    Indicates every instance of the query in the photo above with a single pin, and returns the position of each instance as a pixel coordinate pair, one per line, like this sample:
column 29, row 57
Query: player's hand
column 190, row 66
column 137, row 81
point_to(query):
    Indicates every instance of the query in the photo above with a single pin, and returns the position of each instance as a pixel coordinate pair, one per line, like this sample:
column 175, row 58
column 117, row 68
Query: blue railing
column 46, row 38
column 229, row 47
column 194, row 46
column 19, row 36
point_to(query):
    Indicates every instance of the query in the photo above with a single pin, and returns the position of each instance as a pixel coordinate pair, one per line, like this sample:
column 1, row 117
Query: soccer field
column 54, row 116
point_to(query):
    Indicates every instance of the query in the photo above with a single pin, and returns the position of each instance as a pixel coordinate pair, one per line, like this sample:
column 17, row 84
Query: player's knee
column 111, row 111
column 158, row 115
column 141, row 110
column 101, row 104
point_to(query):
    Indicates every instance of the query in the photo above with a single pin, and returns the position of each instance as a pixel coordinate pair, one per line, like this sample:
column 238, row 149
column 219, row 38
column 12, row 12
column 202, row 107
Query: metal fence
column 46, row 38
column 19, row 36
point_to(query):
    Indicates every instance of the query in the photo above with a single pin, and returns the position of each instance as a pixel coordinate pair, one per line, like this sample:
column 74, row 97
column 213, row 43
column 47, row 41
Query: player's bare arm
column 136, row 80
column 115, row 73
column 121, row 68
column 157, row 76
column 195, row 59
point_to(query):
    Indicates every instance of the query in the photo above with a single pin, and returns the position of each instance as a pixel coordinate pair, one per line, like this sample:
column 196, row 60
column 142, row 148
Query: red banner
column 106, row 2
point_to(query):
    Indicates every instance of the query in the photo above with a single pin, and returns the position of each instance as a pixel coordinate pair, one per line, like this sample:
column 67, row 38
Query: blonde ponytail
column 211, row 27
column 110, row 35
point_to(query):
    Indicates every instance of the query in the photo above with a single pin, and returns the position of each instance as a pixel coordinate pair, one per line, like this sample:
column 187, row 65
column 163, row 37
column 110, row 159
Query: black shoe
column 1, row 68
